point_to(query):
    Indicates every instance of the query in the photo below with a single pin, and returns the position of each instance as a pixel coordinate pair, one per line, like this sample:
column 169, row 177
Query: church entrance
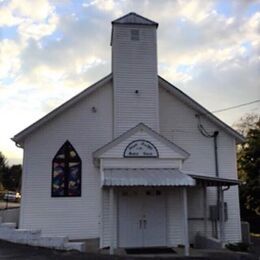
column 142, row 217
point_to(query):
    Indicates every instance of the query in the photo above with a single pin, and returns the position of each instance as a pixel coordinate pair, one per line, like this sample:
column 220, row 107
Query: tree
column 3, row 167
column 249, row 169
column 10, row 177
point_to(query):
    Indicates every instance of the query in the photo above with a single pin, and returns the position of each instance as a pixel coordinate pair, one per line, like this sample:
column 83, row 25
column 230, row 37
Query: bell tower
column 134, row 68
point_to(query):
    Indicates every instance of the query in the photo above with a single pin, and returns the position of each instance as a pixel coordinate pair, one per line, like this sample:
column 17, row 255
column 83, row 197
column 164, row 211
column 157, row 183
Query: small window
column 66, row 172
column 135, row 35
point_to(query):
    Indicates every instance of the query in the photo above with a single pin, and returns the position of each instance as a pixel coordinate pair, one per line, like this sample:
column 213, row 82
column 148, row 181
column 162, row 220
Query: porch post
column 222, row 215
column 185, row 222
column 205, row 206
column 111, row 220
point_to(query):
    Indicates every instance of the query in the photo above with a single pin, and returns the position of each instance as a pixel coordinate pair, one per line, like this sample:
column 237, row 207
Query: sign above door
column 141, row 149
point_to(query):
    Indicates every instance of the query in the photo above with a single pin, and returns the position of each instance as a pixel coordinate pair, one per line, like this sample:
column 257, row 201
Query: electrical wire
column 237, row 106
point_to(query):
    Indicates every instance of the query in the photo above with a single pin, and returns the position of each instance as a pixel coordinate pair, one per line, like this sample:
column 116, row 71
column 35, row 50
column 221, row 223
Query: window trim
column 66, row 170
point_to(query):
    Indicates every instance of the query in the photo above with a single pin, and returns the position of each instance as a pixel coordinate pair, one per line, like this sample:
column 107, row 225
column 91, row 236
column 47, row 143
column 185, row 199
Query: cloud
column 9, row 62
column 209, row 49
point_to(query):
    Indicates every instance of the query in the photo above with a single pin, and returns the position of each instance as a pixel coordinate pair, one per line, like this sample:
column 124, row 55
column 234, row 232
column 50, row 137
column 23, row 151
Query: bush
column 242, row 247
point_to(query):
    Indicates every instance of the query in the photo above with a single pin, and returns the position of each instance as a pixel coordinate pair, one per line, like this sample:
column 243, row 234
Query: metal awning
column 213, row 181
column 146, row 177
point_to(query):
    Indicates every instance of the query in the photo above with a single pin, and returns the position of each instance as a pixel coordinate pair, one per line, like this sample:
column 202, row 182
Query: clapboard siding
column 76, row 217
column 134, row 68
column 175, row 234
column 106, row 234
column 178, row 123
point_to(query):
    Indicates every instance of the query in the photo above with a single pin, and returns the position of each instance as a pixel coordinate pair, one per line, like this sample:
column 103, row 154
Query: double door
column 142, row 218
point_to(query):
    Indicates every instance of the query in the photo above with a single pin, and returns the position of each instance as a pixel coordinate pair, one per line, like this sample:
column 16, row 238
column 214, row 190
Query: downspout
column 215, row 136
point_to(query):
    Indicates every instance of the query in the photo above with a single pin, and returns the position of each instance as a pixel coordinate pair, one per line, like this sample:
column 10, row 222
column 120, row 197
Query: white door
column 129, row 220
column 142, row 218
column 154, row 230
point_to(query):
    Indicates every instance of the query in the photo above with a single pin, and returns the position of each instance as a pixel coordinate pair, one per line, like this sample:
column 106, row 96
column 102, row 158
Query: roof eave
column 19, row 138
column 203, row 111
column 98, row 153
column 151, row 23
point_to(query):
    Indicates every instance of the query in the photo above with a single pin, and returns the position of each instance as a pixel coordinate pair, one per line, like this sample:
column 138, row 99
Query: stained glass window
column 66, row 172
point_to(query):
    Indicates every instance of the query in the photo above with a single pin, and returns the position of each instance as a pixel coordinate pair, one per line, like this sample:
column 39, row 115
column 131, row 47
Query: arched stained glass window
column 66, row 172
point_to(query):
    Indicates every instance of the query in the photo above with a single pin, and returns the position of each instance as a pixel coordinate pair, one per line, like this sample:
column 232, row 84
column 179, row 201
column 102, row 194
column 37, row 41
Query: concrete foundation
column 9, row 233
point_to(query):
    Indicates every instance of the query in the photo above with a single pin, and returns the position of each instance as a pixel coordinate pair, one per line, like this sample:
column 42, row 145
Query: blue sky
column 51, row 50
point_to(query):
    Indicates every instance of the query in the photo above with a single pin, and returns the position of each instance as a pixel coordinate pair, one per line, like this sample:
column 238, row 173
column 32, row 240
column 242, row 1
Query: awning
column 146, row 177
column 213, row 181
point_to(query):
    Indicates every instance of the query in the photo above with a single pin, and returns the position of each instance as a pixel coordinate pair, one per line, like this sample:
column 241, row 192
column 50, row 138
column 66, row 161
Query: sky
column 50, row 50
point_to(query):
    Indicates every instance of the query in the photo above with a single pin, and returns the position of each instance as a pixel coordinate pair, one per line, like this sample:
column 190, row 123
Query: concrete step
column 79, row 246
column 9, row 225
column 25, row 236
column 50, row 241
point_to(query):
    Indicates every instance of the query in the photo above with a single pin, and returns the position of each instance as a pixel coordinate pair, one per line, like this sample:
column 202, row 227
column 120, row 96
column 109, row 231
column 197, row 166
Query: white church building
column 131, row 161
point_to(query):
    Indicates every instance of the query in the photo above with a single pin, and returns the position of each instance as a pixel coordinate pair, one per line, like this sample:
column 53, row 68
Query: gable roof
column 200, row 109
column 18, row 138
column 132, row 131
column 133, row 18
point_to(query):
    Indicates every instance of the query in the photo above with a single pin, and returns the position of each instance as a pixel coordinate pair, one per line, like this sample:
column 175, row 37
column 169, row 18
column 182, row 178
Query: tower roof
column 133, row 18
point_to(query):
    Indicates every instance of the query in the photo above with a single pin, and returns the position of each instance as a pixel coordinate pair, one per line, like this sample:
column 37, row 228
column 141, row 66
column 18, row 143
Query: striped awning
column 146, row 177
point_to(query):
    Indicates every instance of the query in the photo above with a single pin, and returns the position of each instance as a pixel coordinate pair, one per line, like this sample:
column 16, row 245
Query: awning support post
column 205, row 207
column 111, row 220
column 185, row 224
column 222, row 215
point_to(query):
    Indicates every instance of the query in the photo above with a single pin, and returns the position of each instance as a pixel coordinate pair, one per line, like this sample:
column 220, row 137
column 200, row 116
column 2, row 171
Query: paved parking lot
column 3, row 204
column 16, row 251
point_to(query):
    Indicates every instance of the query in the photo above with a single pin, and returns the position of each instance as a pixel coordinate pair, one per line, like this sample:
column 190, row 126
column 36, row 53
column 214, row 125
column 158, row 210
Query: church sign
column 141, row 149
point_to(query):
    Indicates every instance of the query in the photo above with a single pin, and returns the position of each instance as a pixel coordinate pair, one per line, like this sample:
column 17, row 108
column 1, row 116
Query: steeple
column 134, row 68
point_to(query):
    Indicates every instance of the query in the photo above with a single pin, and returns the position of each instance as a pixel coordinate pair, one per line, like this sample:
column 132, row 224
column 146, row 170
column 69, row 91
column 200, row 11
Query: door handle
column 140, row 223
column 144, row 222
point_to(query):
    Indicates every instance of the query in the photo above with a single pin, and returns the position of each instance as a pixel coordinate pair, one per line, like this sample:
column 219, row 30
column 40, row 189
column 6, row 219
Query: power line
column 237, row 106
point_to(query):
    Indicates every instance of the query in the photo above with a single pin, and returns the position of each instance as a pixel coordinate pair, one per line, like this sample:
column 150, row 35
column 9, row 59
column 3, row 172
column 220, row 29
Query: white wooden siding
column 105, row 238
column 87, row 131
column 134, row 68
column 178, row 123
column 76, row 217
column 195, row 210
column 175, row 234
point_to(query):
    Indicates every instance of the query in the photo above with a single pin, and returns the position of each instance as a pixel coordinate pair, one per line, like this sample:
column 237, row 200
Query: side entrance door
column 142, row 218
